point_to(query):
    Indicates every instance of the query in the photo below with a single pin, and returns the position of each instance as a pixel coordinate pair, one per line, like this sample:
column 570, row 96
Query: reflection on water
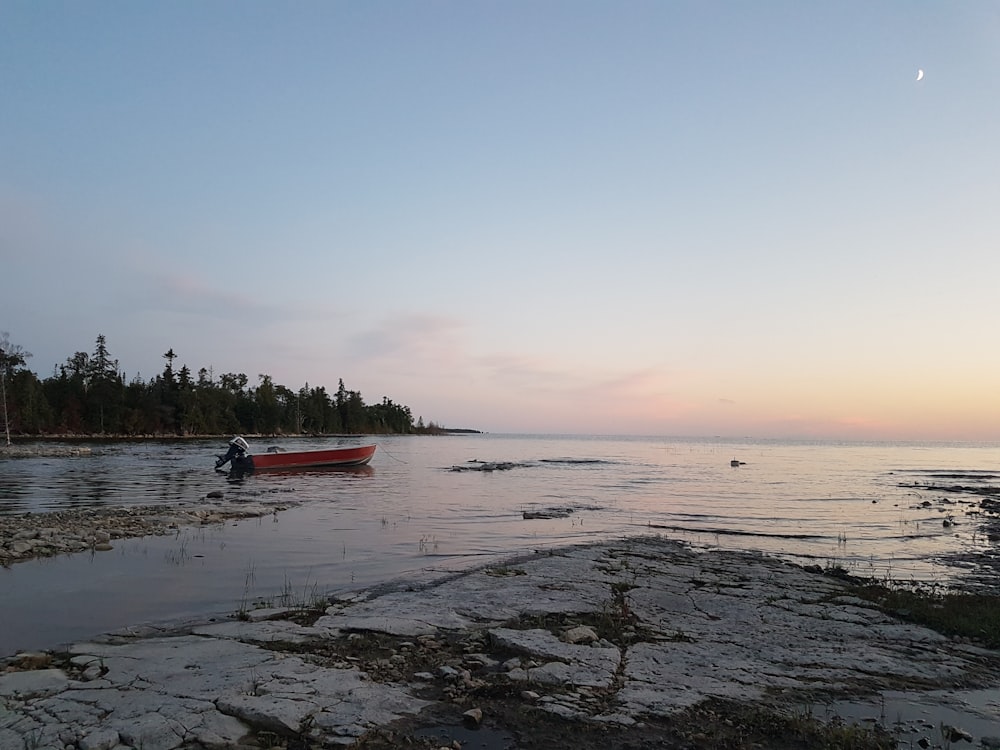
column 139, row 473
column 869, row 508
column 913, row 718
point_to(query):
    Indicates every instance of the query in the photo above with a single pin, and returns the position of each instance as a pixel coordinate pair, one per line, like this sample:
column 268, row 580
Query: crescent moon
column 920, row 74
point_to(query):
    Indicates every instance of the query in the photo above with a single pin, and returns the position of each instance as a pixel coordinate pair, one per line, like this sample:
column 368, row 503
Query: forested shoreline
column 89, row 395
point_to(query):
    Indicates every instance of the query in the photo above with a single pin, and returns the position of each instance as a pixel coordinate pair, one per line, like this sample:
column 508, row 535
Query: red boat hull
column 332, row 457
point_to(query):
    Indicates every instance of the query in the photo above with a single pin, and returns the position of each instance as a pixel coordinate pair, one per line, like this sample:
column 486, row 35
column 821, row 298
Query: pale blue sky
column 621, row 217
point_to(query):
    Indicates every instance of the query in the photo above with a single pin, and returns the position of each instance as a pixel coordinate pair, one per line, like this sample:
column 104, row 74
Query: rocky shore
column 26, row 536
column 29, row 451
column 632, row 644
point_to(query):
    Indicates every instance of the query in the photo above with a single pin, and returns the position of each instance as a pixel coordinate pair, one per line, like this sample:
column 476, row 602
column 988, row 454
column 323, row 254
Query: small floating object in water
column 734, row 462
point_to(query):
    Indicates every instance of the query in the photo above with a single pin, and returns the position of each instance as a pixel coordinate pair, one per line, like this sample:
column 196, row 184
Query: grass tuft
column 967, row 615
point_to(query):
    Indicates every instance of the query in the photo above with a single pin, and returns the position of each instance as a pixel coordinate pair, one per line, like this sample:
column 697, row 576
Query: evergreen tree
column 88, row 394
column 105, row 392
column 169, row 393
column 268, row 409
column 68, row 393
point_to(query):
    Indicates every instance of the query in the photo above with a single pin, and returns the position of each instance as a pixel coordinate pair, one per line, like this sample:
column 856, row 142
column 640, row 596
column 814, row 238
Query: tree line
column 89, row 395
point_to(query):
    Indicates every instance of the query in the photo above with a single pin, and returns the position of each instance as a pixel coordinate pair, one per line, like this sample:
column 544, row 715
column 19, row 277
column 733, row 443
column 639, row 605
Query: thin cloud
column 190, row 293
column 529, row 373
column 414, row 338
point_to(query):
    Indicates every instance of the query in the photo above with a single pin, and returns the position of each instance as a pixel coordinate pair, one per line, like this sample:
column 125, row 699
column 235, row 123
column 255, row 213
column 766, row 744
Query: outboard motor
column 237, row 453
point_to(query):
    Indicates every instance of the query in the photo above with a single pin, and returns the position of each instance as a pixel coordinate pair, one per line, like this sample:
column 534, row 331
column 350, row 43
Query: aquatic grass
column 428, row 544
column 251, row 576
column 181, row 555
column 309, row 600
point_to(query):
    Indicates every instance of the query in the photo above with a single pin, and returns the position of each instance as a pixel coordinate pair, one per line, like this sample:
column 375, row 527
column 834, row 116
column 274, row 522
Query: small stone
column 954, row 734
column 216, row 494
column 473, row 717
column 579, row 634
column 481, row 660
column 530, row 695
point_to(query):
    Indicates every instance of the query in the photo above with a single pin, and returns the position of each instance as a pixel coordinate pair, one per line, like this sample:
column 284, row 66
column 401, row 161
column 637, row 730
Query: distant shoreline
column 73, row 437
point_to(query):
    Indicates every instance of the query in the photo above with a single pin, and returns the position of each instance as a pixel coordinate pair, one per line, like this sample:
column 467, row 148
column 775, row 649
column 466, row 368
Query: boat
column 242, row 460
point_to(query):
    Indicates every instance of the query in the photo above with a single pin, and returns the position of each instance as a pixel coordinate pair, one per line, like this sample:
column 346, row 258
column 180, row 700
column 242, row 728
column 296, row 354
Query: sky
column 548, row 216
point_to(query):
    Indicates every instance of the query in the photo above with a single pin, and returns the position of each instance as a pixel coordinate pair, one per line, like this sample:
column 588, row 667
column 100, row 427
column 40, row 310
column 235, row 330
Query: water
column 412, row 516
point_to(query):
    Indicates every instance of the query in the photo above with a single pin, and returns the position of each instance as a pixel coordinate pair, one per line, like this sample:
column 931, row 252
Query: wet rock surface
column 633, row 644
column 47, row 451
column 967, row 497
column 26, row 536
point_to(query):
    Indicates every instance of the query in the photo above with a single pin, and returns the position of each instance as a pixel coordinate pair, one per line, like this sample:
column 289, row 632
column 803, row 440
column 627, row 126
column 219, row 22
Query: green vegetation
column 967, row 615
column 11, row 357
column 89, row 395
column 954, row 613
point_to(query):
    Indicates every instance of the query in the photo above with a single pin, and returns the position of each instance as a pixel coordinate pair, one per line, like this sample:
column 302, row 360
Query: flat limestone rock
column 281, row 715
column 100, row 739
column 569, row 663
column 262, row 631
column 674, row 628
column 404, row 626
column 11, row 740
column 33, row 683
column 151, row 732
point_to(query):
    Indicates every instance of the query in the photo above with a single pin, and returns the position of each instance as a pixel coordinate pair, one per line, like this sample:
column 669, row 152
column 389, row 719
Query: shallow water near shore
column 412, row 515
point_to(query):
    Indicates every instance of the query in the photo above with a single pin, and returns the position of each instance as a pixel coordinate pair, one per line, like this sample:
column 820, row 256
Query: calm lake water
column 412, row 516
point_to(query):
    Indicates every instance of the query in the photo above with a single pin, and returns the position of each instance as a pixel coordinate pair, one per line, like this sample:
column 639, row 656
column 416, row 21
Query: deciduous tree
column 12, row 356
